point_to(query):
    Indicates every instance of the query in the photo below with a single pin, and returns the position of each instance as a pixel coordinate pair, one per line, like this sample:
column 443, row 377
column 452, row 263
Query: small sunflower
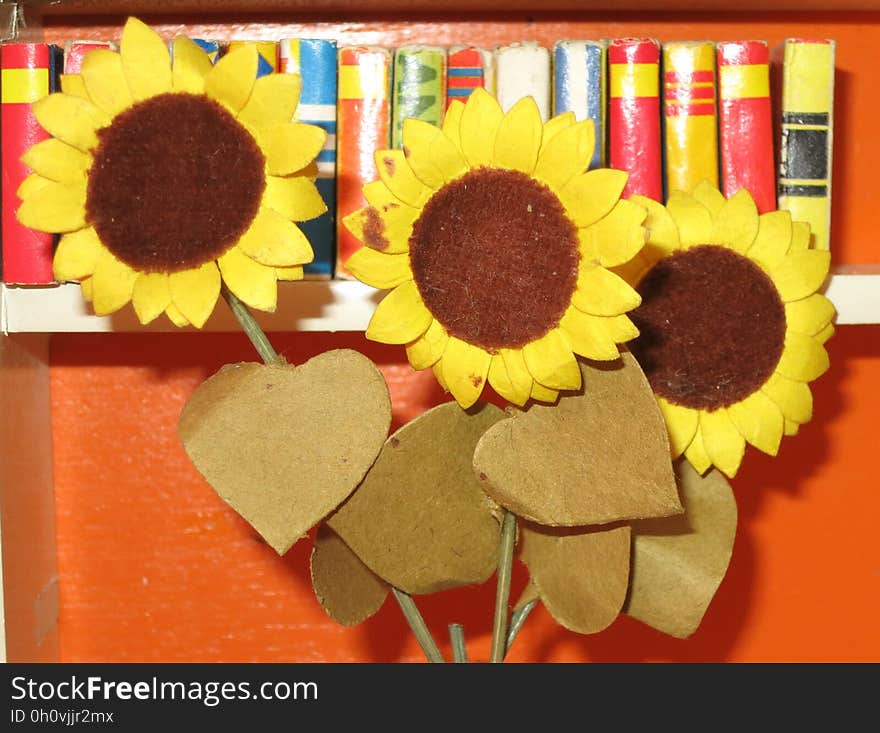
column 732, row 328
column 497, row 245
column 164, row 178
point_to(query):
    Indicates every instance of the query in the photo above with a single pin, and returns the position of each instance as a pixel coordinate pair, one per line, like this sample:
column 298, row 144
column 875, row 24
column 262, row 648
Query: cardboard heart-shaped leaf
column 419, row 520
column 581, row 575
column 598, row 456
column 348, row 591
column 285, row 445
column 679, row 562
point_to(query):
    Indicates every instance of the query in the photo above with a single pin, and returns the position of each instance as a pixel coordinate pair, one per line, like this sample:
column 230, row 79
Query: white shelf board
column 338, row 305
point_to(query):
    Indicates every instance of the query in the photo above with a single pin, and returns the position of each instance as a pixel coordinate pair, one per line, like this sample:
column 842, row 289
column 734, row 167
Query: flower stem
column 517, row 620
column 268, row 354
column 418, row 626
column 251, row 328
column 459, row 651
column 502, row 596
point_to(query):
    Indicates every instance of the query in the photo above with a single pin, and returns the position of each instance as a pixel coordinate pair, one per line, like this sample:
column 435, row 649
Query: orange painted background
column 154, row 567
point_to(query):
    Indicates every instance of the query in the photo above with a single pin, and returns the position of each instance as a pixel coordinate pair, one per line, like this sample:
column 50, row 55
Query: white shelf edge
column 338, row 305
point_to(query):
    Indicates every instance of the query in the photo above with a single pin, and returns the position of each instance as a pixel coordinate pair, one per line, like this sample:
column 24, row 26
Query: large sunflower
column 732, row 328
column 496, row 243
column 164, row 177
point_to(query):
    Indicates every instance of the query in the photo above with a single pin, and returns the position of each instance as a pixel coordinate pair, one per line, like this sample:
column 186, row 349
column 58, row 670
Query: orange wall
column 153, row 566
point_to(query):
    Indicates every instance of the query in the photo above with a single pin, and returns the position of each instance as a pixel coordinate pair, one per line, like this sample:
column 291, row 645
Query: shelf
column 321, row 306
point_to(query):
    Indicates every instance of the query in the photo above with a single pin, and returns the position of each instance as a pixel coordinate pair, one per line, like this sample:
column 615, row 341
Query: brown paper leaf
column 598, row 456
column 419, row 519
column 529, row 593
column 348, row 591
column 284, row 445
column 679, row 562
column 581, row 575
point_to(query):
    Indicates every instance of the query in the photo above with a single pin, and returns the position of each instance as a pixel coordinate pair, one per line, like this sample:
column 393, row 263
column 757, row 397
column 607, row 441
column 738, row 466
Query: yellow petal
column 289, row 273
column 76, row 255
column 252, row 282
column 540, row 393
column 825, row 334
column 480, row 119
column 502, row 383
column 57, row 161
column 427, row 349
column 723, row 443
column 31, row 185
column 554, row 126
column 518, row 374
column 617, row 237
column 438, row 374
column 709, row 196
column 452, row 122
column 112, row 284
column 736, row 224
column 145, row 60
column 105, row 81
column 273, row 100
column 378, row 269
column 801, row 273
column 790, row 427
column 433, row 157
column 551, row 362
column 800, row 236
column 662, row 233
column 56, row 207
column 692, row 219
column 619, row 328
column 150, row 296
column 72, row 119
column 602, row 293
column 232, row 78
column 803, row 358
column 681, row 424
column 809, row 315
column 792, row 397
column 587, row 336
column 519, row 137
column 759, row 420
column 398, row 177
column 290, row 146
column 465, row 368
column 273, row 240
column 633, row 271
column 567, row 154
column 86, row 287
column 294, row 197
column 190, row 66
column 590, row 196
column 773, row 239
column 387, row 230
column 195, row 292
column 401, row 317
column 175, row 316
column 73, row 85
column 696, row 454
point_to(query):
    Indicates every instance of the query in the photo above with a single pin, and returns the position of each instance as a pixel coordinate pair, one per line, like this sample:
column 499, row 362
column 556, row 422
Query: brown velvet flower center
column 175, row 182
column 495, row 258
column 712, row 327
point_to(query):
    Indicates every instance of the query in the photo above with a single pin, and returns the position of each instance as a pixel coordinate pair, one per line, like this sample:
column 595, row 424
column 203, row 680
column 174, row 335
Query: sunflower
column 732, row 328
column 497, row 245
column 165, row 178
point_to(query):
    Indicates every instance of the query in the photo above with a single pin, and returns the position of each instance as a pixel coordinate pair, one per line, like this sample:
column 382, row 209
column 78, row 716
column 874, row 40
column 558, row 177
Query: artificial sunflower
column 497, row 245
column 166, row 177
column 732, row 328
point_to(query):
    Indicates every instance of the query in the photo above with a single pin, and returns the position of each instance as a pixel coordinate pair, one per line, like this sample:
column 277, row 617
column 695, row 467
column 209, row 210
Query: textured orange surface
column 153, row 566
